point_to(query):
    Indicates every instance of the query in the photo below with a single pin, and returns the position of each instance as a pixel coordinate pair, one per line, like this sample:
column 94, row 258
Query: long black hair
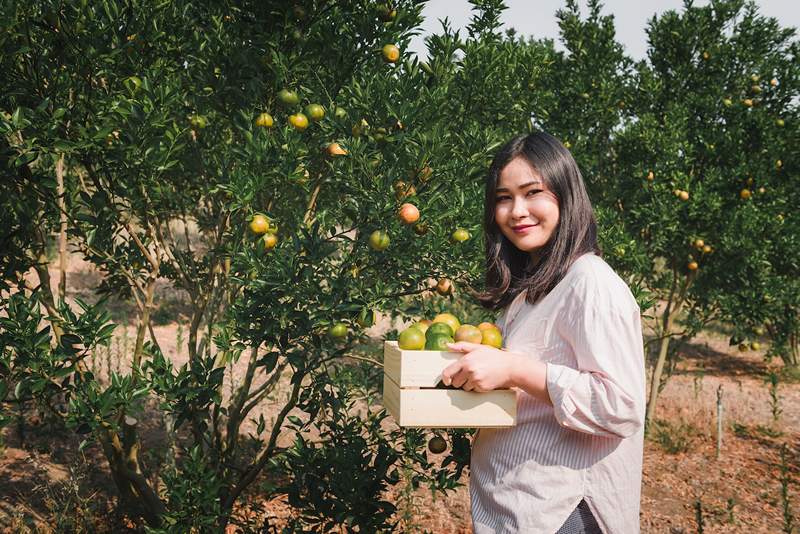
column 509, row 270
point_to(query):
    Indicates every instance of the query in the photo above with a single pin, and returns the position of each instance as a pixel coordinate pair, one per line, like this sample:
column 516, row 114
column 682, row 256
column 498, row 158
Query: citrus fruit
column 437, row 445
column 340, row 113
column 315, row 112
column 391, row 53
column 335, row 149
column 483, row 326
column 460, row 235
column 444, row 287
column 379, row 240
column 411, row 338
column 692, row 266
column 299, row 121
column 265, row 120
column 439, row 329
column 270, row 240
column 288, row 98
column 744, row 194
column 338, row 330
column 468, row 333
column 422, row 325
column 437, row 342
column 259, row 224
column 198, row 122
column 449, row 319
column 408, row 213
column 492, row 337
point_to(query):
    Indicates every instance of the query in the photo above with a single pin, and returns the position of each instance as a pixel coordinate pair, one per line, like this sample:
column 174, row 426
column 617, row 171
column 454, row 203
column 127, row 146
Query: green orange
column 449, row 319
column 492, row 337
column 439, row 329
column 411, row 338
column 437, row 342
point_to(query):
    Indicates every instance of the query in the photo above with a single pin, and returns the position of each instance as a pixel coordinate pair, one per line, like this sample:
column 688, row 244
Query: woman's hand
column 482, row 368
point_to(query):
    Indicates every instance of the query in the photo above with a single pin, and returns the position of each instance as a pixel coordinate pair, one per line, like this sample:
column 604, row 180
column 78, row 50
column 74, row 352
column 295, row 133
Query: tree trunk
column 62, row 236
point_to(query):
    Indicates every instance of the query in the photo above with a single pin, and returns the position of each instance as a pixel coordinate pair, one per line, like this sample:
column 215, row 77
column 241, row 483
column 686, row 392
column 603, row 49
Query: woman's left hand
column 482, row 368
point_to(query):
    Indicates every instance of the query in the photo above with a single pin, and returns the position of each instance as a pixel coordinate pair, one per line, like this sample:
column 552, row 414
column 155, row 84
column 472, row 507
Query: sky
column 536, row 18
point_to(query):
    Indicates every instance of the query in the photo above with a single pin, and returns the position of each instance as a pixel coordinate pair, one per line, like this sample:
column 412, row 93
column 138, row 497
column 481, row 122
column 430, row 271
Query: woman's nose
column 519, row 209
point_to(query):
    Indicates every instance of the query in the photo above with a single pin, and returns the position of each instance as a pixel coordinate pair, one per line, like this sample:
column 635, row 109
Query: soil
column 48, row 485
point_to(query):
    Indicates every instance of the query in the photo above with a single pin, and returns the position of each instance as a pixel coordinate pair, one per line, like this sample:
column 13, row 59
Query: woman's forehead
column 518, row 173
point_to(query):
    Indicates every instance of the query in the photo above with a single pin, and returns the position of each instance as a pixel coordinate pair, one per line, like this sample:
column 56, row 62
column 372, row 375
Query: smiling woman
column 573, row 351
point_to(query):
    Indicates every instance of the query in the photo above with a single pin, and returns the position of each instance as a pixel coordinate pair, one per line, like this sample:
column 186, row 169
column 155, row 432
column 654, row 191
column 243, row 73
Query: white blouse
column 588, row 444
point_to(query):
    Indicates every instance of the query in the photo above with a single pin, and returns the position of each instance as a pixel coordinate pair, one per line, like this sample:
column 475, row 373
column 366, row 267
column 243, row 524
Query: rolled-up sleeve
column 604, row 396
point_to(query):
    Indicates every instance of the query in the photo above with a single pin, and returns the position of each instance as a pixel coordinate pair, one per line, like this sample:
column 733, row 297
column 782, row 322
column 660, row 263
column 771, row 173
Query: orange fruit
column 423, row 325
column 492, row 337
column 270, row 240
column 259, row 224
column 411, row 338
column 692, row 266
column 299, row 121
column 485, row 325
column 265, row 120
column 744, row 194
column 444, row 287
column 408, row 213
column 651, row 176
column 391, row 53
column 683, row 195
column 468, row 333
column 699, row 244
column 335, row 149
column 449, row 319
column 439, row 329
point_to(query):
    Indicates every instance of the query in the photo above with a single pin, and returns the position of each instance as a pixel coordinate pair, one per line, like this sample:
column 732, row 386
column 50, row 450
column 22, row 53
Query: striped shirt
column 588, row 444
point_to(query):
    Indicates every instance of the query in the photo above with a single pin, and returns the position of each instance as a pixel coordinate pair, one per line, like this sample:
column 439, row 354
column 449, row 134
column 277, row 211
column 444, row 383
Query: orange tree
column 254, row 155
column 701, row 181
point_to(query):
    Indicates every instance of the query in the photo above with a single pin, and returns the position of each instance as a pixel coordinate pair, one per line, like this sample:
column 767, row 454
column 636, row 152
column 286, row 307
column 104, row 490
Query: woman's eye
column 533, row 192
column 500, row 199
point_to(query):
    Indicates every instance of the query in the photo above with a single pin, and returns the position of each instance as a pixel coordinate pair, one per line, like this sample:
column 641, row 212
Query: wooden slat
column 391, row 397
column 443, row 408
column 415, row 368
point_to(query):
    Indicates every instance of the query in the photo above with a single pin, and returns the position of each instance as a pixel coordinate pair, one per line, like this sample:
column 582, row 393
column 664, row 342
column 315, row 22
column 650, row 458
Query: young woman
column 573, row 350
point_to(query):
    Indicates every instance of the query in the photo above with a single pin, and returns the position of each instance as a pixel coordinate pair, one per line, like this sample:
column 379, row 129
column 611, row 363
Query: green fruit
column 460, row 235
column 338, row 330
column 315, row 112
column 340, row 113
column 411, row 338
column 437, row 341
column 288, row 98
column 379, row 240
column 442, row 329
column 437, row 445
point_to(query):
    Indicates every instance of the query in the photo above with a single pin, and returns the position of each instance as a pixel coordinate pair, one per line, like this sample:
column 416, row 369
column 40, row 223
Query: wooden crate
column 409, row 379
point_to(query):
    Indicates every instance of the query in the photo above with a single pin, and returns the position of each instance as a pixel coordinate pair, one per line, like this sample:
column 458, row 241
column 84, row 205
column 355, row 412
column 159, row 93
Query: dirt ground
column 47, row 485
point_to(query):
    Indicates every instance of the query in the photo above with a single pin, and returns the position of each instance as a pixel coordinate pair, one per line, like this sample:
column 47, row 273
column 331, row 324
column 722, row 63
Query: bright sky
column 537, row 18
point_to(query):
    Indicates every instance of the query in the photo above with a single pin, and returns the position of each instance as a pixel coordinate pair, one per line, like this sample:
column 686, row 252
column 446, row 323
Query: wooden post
column 719, row 421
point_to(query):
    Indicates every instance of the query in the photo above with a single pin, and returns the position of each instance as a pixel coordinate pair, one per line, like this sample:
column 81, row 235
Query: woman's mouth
column 523, row 228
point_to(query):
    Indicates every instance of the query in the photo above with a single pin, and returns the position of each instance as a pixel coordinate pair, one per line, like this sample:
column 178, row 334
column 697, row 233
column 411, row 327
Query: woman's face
column 525, row 209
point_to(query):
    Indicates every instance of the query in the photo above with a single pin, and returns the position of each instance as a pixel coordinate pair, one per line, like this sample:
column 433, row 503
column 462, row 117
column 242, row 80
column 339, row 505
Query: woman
column 573, row 462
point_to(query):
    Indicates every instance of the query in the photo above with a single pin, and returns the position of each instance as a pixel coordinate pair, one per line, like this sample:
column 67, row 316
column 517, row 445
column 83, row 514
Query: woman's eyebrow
column 523, row 186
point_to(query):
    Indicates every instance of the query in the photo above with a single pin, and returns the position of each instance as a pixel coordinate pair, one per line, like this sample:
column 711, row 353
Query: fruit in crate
column 446, row 328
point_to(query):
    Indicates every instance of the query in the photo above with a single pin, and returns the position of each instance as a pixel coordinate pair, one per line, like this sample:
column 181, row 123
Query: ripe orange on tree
column 444, row 287
column 745, row 194
column 335, row 149
column 270, row 240
column 265, row 120
column 259, row 224
column 692, row 265
column 299, row 121
column 391, row 53
column 408, row 213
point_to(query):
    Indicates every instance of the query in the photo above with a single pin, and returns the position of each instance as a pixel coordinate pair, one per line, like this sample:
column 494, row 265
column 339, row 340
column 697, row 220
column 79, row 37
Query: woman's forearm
column 530, row 376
